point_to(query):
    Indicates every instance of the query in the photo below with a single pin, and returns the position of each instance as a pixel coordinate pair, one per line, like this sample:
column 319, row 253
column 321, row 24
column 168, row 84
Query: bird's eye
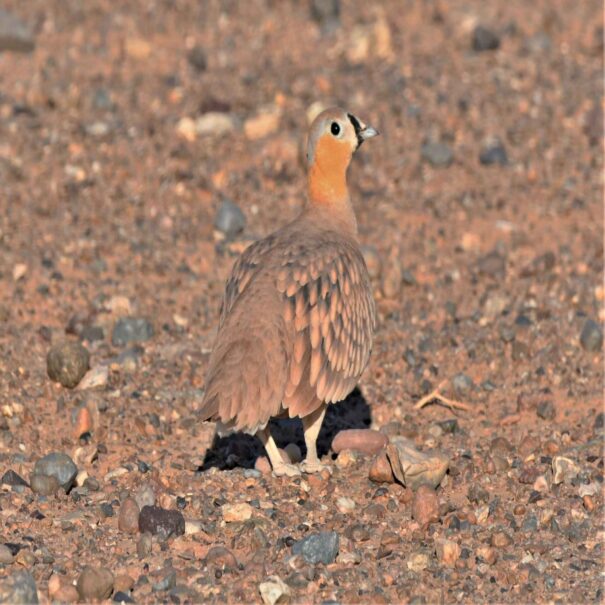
column 335, row 128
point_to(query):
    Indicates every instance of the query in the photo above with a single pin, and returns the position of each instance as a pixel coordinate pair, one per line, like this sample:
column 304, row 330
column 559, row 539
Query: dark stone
column 546, row 410
column 66, row 363
column 14, row 34
column 13, row 479
column 530, row 523
column 326, row 13
column 107, row 509
column 318, row 548
column 161, row 522
column 57, row 465
column 166, row 579
column 198, row 59
column 449, row 426
column 477, row 494
column 540, row 265
column 492, row 153
column 92, row 333
column 485, row 39
column 437, row 154
column 131, row 330
column 492, row 265
column 591, row 337
column 18, row 589
column 229, row 219
column 462, row 383
column 599, row 421
column 122, row 597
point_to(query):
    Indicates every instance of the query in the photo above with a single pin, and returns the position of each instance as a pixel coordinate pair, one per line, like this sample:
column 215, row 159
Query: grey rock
column 546, row 410
column 14, row 34
column 6, row 556
column 44, row 485
column 144, row 545
column 94, row 583
column 145, row 495
column 66, row 363
column 92, row 333
column 11, row 478
column 530, row 523
column 161, row 522
column 166, row 580
column 130, row 330
column 229, row 219
column 437, row 154
column 57, row 465
column 18, row 589
column 462, row 383
column 599, row 422
column 591, row 337
column 493, row 152
column 318, row 548
column 492, row 265
column 198, row 59
column 485, row 39
column 326, row 13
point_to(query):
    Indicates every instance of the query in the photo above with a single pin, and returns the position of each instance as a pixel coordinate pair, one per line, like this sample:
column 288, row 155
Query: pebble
column 94, row 583
column 162, row 522
column 122, row 597
column 493, row 152
column 129, row 330
column 380, row 470
column 293, row 452
column 197, row 58
column 501, row 539
column 6, row 556
column 261, row 125
column 492, row 265
column 236, row 512
column 145, row 496
column 591, row 337
column 425, row 506
column 67, row 362
column 357, row 533
column 15, row 35
column 488, row 554
column 437, row 154
column 13, row 479
column 95, row 378
column 484, row 39
column 58, row 465
column 67, row 593
column 366, row 441
column 462, row 384
column 214, row 123
column 326, row 13
column 128, row 519
column 448, row 552
column 44, row 485
column 18, row 589
column 165, row 579
column 564, row 469
column 274, row 590
column 221, row 557
column 418, row 561
column 546, row 410
column 347, row 458
column 229, row 219
column 345, row 504
column 83, row 422
column 144, row 545
column 318, row 548
column 123, row 583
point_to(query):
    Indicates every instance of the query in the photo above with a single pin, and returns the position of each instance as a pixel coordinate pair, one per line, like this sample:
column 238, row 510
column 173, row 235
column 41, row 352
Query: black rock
column 485, row 39
column 599, row 421
column 66, row 363
column 162, row 522
column 198, row 59
column 437, row 154
column 13, row 479
column 449, row 426
column 107, row 509
column 591, row 337
column 18, row 589
column 493, row 152
column 130, row 330
column 229, row 219
column 546, row 410
column 318, row 548
column 14, row 34
column 122, row 597
column 326, row 13
column 57, row 465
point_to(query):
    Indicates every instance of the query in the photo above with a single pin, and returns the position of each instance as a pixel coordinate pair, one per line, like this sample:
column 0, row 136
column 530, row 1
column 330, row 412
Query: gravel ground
column 143, row 147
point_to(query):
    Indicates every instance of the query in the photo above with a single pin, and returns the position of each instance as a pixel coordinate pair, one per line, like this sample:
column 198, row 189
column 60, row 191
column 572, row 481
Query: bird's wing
column 328, row 304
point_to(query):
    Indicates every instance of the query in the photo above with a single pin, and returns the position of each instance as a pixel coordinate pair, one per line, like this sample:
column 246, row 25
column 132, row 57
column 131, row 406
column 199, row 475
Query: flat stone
column 161, row 521
column 318, row 548
column 94, row 583
column 274, row 590
column 11, row 478
column 58, row 465
column 366, row 441
column 130, row 330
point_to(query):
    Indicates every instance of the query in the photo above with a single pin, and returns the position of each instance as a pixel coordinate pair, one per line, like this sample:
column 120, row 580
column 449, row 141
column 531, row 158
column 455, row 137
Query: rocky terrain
column 144, row 145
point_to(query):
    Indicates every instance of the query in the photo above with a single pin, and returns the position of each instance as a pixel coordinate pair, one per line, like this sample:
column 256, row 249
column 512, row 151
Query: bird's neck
column 328, row 191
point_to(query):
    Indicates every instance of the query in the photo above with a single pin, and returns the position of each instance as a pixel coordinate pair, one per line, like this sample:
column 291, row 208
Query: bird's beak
column 367, row 132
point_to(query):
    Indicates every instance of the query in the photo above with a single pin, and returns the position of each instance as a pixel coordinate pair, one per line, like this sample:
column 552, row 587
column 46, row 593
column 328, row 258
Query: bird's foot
column 287, row 470
column 314, row 466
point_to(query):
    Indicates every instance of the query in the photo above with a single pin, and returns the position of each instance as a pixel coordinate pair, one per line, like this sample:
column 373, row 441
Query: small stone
column 262, row 125
column 94, row 583
column 564, row 469
column 214, row 123
column 347, row 458
column 66, row 363
column 6, row 556
column 18, row 589
column 165, row 579
column 137, row 48
column 130, row 330
column 123, row 583
column 13, row 479
column 162, row 522
column 144, row 545
column 501, row 539
column 345, row 505
column 14, row 35
column 67, row 593
column 381, row 471
column 145, row 495
column 96, row 377
column 128, row 519
column 326, row 13
column 418, row 561
column 221, row 558
column 57, row 465
column 540, row 265
column 262, row 465
column 236, row 512
column 437, row 154
column 107, row 510
column 19, row 271
column 318, row 548
column 492, row 265
column 122, row 597
column 541, row 484
column 198, row 59
column 591, row 337
column 83, row 422
column 425, row 506
column 448, row 552
column 229, row 219
column 488, row 554
column 546, row 410
column 462, row 384
column 366, row 441
column 485, row 39
column 274, row 590
column 493, row 152
column 293, row 452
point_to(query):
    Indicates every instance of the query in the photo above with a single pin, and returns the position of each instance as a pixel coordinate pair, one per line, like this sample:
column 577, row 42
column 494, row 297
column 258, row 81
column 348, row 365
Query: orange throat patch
column 328, row 173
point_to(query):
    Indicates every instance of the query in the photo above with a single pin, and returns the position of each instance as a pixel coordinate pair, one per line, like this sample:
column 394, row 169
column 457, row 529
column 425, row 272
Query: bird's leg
column 311, row 427
column 279, row 466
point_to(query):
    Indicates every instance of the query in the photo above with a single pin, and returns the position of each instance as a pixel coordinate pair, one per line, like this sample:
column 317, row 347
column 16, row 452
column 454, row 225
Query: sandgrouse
column 298, row 316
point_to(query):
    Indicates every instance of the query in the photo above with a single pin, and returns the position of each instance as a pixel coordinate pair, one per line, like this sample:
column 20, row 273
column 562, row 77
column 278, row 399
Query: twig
column 435, row 394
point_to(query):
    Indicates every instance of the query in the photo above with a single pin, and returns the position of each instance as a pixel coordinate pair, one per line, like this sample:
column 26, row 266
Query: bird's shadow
column 241, row 450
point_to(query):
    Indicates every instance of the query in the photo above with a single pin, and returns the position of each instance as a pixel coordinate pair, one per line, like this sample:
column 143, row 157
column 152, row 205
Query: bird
column 298, row 315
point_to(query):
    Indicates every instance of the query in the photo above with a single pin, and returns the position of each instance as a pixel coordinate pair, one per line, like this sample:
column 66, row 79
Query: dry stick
column 436, row 394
